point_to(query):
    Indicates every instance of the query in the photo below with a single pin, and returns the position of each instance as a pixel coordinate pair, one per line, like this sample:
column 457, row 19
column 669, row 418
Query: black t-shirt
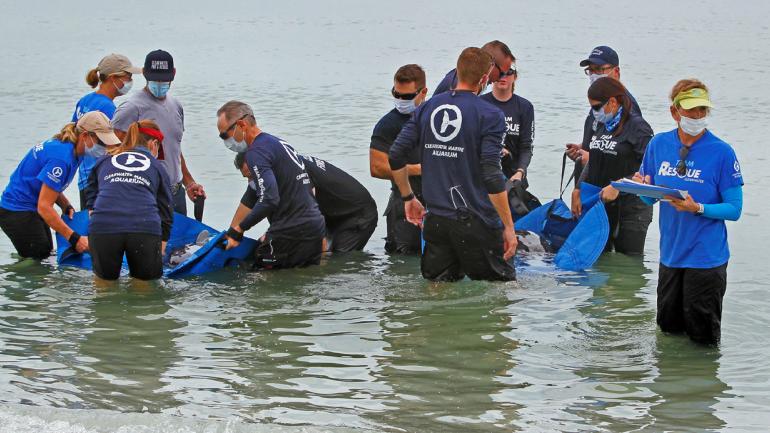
column 338, row 194
column 614, row 155
column 520, row 131
column 383, row 136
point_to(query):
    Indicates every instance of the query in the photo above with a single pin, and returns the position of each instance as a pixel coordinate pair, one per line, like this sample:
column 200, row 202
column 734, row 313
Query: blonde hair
column 69, row 133
column 134, row 137
column 685, row 85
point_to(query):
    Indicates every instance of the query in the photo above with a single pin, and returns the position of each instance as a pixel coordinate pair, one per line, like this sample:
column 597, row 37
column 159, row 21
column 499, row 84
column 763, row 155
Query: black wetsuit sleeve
column 493, row 134
column 250, row 197
column 165, row 206
column 268, row 196
column 526, row 138
column 405, row 143
column 92, row 188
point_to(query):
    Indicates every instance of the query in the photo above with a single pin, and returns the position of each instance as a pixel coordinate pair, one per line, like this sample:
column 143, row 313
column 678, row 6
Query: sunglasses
column 681, row 166
column 223, row 135
column 598, row 105
column 405, row 96
column 510, row 72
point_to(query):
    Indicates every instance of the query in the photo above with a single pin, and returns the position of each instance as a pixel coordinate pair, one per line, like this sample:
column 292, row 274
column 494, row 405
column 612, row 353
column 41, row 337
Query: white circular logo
column 131, row 161
column 293, row 154
column 737, row 166
column 449, row 125
column 57, row 171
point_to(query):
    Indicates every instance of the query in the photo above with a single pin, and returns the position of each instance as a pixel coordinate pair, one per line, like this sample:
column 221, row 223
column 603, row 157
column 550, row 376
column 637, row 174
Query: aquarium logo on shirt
column 692, row 174
column 55, row 174
column 451, row 119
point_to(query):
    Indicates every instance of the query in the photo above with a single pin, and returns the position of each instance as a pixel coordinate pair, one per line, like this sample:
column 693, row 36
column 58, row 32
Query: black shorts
column 465, row 246
column 690, row 301
column 29, row 234
column 402, row 237
column 351, row 233
column 299, row 249
column 629, row 218
column 142, row 251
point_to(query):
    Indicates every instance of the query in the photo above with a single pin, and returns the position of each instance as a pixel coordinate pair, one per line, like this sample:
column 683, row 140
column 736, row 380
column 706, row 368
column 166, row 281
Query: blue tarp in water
column 184, row 231
column 578, row 242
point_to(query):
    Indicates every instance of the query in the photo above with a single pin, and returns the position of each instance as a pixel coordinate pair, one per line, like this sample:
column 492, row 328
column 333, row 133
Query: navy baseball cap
column 159, row 66
column 602, row 55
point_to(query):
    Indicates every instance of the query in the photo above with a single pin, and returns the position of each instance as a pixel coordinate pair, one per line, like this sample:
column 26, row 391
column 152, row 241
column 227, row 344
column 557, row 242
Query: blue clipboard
column 652, row 191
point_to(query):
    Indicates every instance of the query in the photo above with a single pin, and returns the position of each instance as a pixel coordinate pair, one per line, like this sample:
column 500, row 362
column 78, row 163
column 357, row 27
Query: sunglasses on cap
column 405, row 96
column 223, row 134
column 681, row 166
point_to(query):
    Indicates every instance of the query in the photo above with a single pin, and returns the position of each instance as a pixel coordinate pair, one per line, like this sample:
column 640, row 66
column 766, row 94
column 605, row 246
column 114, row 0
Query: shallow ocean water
column 362, row 342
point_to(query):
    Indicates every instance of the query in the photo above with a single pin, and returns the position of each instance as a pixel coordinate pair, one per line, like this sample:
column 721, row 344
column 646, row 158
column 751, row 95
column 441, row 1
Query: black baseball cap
column 159, row 66
column 601, row 55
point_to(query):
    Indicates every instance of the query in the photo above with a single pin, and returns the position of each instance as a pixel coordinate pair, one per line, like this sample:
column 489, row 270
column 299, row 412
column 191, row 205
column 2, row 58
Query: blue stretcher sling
column 184, row 231
column 578, row 242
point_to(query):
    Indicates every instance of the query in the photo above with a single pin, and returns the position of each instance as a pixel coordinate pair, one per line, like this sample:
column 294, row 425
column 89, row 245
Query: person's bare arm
column 45, row 209
column 193, row 188
column 379, row 166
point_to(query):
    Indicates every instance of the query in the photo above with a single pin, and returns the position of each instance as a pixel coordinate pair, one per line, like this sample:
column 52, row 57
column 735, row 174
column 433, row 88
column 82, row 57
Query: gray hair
column 235, row 110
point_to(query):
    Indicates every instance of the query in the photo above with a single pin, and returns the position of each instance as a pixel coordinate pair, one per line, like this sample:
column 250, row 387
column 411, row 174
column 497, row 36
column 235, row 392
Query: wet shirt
column 52, row 163
column 383, row 136
column 615, row 155
column 283, row 188
column 519, row 131
column 449, row 82
column 339, row 195
column 688, row 240
column 457, row 132
column 129, row 193
column 169, row 116
column 91, row 102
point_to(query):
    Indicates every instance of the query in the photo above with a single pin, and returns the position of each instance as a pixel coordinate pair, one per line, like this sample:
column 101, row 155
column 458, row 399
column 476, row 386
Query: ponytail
column 134, row 137
column 69, row 133
column 93, row 77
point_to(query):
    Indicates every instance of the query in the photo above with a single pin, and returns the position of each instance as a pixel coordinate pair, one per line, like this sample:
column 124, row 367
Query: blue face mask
column 158, row 88
column 96, row 150
column 611, row 122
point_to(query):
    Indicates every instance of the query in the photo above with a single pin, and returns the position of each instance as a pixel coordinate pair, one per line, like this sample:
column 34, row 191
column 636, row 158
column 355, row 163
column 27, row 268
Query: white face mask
column 236, row 146
column 594, row 77
column 404, row 106
column 96, row 150
column 692, row 127
column 126, row 87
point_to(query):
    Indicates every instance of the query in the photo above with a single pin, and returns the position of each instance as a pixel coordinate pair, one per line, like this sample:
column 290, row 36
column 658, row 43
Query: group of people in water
column 454, row 161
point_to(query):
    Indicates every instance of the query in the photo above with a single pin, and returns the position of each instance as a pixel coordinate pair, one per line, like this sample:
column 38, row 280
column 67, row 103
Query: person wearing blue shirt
column 26, row 205
column 284, row 194
column 113, row 77
column 129, row 199
column 503, row 59
column 692, row 279
column 468, row 229
column 408, row 93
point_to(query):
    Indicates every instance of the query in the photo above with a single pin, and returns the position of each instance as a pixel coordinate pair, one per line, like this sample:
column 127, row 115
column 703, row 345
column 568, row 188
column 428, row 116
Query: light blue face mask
column 404, row 106
column 95, row 151
column 158, row 88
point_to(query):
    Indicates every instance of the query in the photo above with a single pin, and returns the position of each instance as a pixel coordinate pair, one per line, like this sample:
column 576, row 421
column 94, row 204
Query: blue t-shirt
column 52, row 163
column 129, row 193
column 449, row 82
column 91, row 102
column 688, row 240
column 284, row 192
column 457, row 132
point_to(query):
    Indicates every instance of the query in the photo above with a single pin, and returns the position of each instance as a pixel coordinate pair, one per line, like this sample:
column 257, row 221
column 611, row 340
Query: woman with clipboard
column 615, row 152
column 693, row 237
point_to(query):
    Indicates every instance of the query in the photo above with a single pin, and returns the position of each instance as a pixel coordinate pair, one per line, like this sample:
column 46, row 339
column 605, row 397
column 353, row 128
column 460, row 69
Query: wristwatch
column 700, row 210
